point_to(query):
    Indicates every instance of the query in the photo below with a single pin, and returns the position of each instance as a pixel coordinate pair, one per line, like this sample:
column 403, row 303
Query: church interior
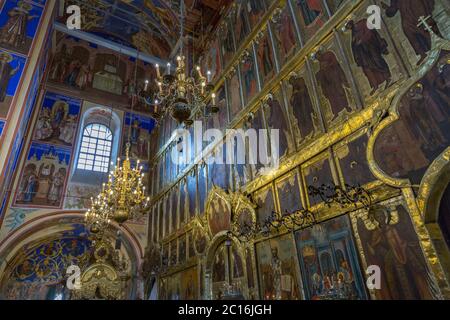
column 224, row 150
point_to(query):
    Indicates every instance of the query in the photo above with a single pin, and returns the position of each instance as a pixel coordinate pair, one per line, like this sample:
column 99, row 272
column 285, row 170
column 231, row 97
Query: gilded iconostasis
column 354, row 106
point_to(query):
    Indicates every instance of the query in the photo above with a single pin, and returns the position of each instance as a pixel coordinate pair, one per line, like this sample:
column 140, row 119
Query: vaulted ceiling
column 152, row 26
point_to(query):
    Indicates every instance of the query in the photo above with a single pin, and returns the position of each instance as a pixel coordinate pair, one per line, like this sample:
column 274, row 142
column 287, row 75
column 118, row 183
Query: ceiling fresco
column 152, row 26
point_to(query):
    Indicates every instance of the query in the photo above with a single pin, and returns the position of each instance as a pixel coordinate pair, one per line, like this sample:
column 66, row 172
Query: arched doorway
column 227, row 274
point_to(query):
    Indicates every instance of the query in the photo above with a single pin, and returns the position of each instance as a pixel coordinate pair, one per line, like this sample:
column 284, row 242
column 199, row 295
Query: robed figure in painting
column 14, row 32
column 6, row 73
column 302, row 106
column 410, row 12
column 277, row 121
column 399, row 258
column 369, row 49
column 332, row 81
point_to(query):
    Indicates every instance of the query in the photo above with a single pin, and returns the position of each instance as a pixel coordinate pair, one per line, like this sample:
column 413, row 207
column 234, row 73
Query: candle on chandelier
column 146, row 85
column 199, row 70
column 168, row 69
column 158, row 74
column 203, row 87
column 213, row 96
column 160, row 87
column 209, row 74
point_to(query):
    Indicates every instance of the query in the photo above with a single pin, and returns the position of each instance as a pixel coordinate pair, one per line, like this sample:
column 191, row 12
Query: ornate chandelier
column 122, row 197
column 178, row 94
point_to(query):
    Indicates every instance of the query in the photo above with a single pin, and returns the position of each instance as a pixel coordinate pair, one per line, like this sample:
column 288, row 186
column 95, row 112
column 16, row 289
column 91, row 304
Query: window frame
column 95, row 163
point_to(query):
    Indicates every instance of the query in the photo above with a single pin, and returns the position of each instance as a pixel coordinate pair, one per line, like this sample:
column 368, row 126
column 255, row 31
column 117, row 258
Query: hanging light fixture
column 178, row 94
column 123, row 197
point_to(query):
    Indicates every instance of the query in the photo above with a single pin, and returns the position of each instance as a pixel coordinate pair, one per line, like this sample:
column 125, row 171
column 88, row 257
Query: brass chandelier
column 122, row 198
column 179, row 94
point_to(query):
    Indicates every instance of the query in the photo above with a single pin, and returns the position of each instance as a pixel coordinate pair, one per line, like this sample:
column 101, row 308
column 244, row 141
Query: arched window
column 95, row 150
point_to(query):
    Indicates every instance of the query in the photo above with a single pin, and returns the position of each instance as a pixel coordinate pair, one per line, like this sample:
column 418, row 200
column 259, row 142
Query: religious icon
column 276, row 120
column 369, row 49
column 234, row 96
column 227, row 45
column 353, row 161
column 289, row 193
column 285, row 35
column 410, row 12
column 11, row 67
column 333, row 82
column 15, row 33
column 249, row 77
column 255, row 9
column 407, row 147
column 302, row 106
column 219, row 215
column 43, row 177
column 240, row 22
column 266, row 62
column 390, row 242
column 265, row 204
column 316, row 174
column 328, row 262
column 277, row 269
column 58, row 119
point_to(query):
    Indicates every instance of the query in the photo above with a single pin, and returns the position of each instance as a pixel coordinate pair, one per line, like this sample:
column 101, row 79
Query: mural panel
column 388, row 240
column 285, row 35
column 19, row 22
column 407, row 147
column 234, row 96
column 311, row 16
column 11, row 68
column 138, row 135
column 278, row 275
column 288, row 190
column 43, row 178
column 265, row 203
column 328, row 262
column 303, row 115
column 249, row 83
column 317, row 173
column 265, row 58
column 58, row 120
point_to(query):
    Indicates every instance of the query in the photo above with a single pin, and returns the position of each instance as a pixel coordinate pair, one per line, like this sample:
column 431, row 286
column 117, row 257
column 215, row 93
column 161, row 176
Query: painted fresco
column 276, row 119
column 202, row 188
column 219, row 215
column 78, row 195
column 227, row 44
column 407, row 147
column 44, row 175
column 138, row 135
column 278, row 276
column 311, row 16
column 58, row 119
column 255, row 11
column 389, row 241
column 288, row 190
column 402, row 18
column 249, row 83
column 211, row 61
column 189, row 284
column 301, row 108
column 372, row 55
column 316, row 174
column 19, row 22
column 98, row 73
column 240, row 22
column 353, row 162
column 336, row 96
column 234, row 95
column 285, row 35
column 192, row 194
column 11, row 68
column 265, row 58
column 329, row 263
column 218, row 170
column 265, row 203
